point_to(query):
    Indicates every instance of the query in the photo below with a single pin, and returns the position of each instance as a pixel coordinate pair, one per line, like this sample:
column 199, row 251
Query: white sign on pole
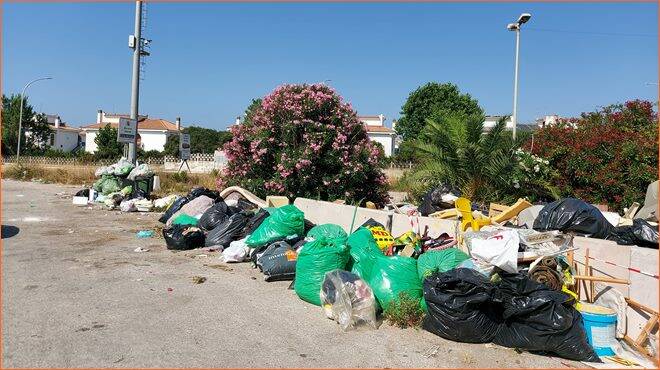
column 184, row 146
column 127, row 130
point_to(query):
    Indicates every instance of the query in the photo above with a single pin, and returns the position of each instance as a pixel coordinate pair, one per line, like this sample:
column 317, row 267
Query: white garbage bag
column 236, row 252
column 499, row 249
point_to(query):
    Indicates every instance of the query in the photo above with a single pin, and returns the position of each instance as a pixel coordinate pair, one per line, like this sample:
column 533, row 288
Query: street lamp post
column 20, row 117
column 524, row 17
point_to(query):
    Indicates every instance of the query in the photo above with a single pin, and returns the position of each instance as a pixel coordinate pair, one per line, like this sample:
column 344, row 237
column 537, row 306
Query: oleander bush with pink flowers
column 305, row 141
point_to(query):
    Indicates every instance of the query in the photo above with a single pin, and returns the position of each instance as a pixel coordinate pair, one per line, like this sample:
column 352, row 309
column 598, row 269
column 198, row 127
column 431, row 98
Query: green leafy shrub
column 455, row 151
column 404, row 312
column 608, row 156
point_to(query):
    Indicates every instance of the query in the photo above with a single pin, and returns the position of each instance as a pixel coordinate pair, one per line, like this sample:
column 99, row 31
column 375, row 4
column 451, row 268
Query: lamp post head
column 524, row 17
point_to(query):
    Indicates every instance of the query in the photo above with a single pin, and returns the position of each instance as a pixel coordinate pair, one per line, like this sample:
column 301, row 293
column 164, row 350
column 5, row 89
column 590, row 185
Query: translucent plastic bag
column 140, row 172
column 123, row 167
column 348, row 300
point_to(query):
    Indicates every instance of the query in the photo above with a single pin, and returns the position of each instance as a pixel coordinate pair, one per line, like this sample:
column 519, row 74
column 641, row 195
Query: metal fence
column 203, row 161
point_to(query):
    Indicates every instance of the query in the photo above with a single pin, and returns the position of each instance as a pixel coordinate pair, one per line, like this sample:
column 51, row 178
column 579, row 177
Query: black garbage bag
column 460, row 306
column 371, row 223
column 254, row 222
column 227, row 231
column 432, row 201
column 278, row 262
column 574, row 215
column 196, row 192
column 308, row 226
column 245, row 205
column 83, row 193
column 516, row 312
column 176, row 206
column 537, row 318
column 213, row 216
column 183, row 237
column 640, row 233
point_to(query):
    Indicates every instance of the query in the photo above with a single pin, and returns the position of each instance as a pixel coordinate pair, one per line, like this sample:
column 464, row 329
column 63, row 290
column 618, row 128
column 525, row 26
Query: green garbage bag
column 123, row 167
column 363, row 251
column 327, row 230
column 126, row 190
column 439, row 261
column 98, row 184
column 387, row 276
column 184, row 219
column 110, row 185
column 314, row 260
column 282, row 222
column 392, row 275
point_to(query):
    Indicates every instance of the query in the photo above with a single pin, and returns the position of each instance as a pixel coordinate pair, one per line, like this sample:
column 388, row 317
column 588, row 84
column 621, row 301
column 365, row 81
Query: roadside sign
column 184, row 146
column 127, row 130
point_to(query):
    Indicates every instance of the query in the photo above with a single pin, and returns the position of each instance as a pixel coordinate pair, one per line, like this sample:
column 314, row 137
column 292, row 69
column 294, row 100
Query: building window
column 52, row 139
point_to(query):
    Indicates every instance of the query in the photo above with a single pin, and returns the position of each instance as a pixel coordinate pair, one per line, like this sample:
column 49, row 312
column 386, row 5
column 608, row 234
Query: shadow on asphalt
column 8, row 231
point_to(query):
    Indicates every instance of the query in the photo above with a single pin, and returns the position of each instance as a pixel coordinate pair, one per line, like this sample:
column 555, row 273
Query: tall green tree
column 252, row 109
column 431, row 102
column 107, row 146
column 34, row 124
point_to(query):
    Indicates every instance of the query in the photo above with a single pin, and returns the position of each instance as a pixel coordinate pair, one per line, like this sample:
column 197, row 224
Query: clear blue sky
column 210, row 59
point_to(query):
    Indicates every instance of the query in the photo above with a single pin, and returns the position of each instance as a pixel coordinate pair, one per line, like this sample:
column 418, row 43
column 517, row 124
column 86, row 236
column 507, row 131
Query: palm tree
column 454, row 150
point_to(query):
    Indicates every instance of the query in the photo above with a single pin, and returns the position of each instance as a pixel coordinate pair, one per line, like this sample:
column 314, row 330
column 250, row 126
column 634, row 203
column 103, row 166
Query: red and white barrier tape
column 626, row 267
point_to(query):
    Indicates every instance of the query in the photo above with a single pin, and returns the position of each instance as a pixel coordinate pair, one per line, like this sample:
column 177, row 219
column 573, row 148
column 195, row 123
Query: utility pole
column 135, row 88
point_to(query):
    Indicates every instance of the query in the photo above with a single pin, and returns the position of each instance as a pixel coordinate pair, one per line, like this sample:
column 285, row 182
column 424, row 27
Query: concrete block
column 276, row 201
column 401, row 224
column 320, row 212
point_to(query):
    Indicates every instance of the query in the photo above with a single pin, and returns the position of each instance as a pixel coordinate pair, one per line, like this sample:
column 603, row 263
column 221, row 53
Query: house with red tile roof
column 378, row 132
column 152, row 132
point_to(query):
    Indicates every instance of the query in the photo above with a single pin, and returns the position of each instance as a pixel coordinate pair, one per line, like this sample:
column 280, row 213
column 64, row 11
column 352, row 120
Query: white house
column 378, row 132
column 549, row 120
column 62, row 137
column 152, row 132
column 491, row 121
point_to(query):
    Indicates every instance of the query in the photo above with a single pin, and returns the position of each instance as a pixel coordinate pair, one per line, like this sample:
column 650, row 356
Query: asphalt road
column 75, row 294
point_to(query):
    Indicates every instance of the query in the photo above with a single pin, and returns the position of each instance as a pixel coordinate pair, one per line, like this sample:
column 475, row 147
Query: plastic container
column 600, row 325
column 80, row 201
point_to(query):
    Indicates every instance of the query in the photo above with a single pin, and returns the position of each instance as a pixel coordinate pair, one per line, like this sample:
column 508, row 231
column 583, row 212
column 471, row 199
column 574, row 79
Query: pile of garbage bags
column 515, row 312
column 478, row 297
column 114, row 188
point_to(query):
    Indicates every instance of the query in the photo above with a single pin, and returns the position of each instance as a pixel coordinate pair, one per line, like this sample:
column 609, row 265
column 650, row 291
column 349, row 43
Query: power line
column 593, row 33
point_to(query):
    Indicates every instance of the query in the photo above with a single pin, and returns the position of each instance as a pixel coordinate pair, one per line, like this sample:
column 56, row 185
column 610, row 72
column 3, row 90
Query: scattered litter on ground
column 143, row 234
column 198, row 279
column 141, row 249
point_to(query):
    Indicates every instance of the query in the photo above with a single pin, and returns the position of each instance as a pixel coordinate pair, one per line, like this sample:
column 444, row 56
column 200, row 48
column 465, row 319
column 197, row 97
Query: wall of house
column 153, row 140
column 65, row 140
column 490, row 122
column 386, row 140
column 90, row 145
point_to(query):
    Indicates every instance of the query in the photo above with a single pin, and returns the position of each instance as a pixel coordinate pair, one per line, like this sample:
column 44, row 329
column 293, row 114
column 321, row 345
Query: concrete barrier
column 642, row 288
column 321, row 212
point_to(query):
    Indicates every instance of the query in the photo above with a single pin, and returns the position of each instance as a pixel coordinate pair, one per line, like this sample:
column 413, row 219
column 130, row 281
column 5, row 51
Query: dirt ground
column 75, row 294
